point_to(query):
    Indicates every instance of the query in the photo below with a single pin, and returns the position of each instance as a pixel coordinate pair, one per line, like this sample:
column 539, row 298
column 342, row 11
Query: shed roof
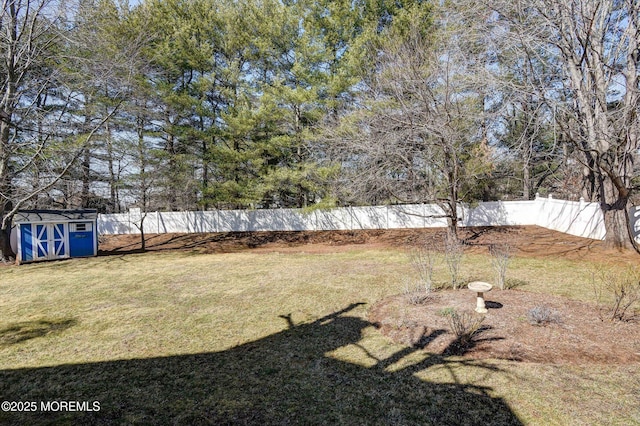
column 23, row 216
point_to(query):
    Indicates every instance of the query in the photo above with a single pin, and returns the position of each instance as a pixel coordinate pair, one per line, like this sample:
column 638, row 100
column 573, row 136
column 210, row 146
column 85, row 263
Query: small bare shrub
column 422, row 260
column 453, row 253
column 415, row 293
column 616, row 291
column 543, row 315
column 464, row 325
column 500, row 258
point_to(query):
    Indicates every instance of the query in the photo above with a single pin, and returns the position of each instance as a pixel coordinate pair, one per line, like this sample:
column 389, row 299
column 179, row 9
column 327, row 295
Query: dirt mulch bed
column 530, row 241
column 578, row 335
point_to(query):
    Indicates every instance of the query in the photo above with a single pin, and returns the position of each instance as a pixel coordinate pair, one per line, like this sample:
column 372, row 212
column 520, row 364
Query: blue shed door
column 50, row 241
column 26, row 242
column 82, row 240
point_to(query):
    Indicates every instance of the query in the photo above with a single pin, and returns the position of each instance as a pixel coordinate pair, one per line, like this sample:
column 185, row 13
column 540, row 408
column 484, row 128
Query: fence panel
column 571, row 217
column 575, row 218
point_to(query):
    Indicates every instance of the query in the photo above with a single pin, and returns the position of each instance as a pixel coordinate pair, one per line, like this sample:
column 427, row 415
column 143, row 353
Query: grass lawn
column 272, row 338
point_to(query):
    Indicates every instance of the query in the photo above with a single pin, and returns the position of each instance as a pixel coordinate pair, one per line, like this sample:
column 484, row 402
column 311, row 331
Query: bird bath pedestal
column 480, row 287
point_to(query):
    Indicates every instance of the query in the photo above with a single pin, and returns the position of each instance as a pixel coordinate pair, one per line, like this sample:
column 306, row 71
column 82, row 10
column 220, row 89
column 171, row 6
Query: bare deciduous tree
column 28, row 35
column 418, row 134
column 594, row 48
column 46, row 116
column 500, row 258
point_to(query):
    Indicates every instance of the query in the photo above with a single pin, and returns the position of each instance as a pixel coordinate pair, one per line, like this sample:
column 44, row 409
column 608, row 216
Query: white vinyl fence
column 575, row 218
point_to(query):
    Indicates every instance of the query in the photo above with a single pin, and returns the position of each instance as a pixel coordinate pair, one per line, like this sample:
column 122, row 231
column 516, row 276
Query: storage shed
column 55, row 234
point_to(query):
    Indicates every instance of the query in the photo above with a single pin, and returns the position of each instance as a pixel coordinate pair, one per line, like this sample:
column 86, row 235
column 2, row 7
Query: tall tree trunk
column 143, row 242
column 526, row 180
column 6, row 252
column 615, row 222
column 86, row 178
column 614, row 205
column 451, row 163
column 113, row 181
column 85, row 167
column 589, row 180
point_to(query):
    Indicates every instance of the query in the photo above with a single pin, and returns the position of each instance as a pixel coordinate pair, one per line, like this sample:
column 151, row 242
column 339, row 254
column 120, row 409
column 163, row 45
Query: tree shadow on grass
column 290, row 377
column 217, row 242
column 21, row 331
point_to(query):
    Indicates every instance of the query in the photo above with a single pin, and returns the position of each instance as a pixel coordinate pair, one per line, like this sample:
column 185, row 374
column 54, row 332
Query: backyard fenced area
column 293, row 334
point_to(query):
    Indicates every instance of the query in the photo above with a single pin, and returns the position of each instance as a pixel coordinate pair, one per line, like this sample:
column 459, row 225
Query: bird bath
column 480, row 287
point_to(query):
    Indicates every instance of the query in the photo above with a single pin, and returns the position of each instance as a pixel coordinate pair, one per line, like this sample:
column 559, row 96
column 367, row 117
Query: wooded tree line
column 198, row 104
